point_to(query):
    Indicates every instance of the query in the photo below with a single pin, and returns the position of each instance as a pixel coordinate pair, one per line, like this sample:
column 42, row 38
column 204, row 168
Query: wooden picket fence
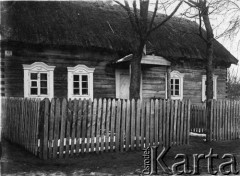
column 225, row 120
column 62, row 128
column 20, row 118
column 198, row 119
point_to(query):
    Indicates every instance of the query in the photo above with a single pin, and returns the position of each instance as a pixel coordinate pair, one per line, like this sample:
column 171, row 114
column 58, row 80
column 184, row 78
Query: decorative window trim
column 204, row 87
column 180, row 76
column 80, row 70
column 38, row 67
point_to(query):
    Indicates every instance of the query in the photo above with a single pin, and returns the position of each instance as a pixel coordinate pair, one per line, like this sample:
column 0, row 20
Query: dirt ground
column 16, row 161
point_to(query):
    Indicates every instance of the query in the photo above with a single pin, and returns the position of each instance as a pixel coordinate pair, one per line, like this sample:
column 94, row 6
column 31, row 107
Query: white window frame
column 176, row 75
column 204, row 87
column 38, row 67
column 80, row 70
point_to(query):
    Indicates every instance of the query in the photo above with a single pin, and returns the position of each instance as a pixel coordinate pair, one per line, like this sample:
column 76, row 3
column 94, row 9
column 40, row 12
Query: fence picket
column 143, row 122
column 99, row 114
column 138, row 124
column 103, row 127
column 108, row 124
column 123, row 126
column 128, row 123
column 73, row 127
column 133, row 124
column 112, row 136
column 56, row 128
column 93, row 125
column 79, row 126
column 51, row 124
column 118, row 125
column 89, row 121
column 84, row 124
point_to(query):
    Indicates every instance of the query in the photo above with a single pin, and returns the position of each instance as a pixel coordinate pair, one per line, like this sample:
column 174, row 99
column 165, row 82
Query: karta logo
column 152, row 160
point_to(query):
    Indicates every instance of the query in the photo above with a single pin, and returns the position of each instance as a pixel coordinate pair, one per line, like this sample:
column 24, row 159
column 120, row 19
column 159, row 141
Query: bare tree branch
column 166, row 19
column 154, row 15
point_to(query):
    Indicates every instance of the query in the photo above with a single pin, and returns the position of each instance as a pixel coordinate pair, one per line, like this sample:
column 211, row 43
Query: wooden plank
column 112, row 136
column 182, row 123
column 123, row 126
column 51, row 125
column 128, row 123
column 152, row 123
column 143, row 123
column 164, row 121
column 160, row 131
column 79, row 126
column 99, row 116
column 84, row 125
column 156, row 128
column 168, row 123
column 171, row 123
column 45, row 133
column 220, row 120
column 89, row 124
column 147, row 124
column 108, row 124
column 94, row 125
column 68, row 129
column 225, row 119
column 138, row 123
column 73, row 126
column 175, row 123
column 56, row 128
column 63, row 125
column 118, row 125
column 133, row 124
column 188, row 120
column 179, row 122
column 103, row 124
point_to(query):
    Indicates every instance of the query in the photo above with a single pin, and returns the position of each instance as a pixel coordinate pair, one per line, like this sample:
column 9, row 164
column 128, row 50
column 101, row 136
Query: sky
column 219, row 24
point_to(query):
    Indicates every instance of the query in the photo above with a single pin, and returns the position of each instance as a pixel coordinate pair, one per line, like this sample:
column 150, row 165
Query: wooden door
column 122, row 84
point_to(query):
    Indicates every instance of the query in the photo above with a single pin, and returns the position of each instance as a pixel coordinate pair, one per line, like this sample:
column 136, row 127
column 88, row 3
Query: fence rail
column 64, row 128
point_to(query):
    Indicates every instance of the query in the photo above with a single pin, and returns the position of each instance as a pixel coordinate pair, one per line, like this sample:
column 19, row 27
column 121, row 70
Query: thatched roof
column 99, row 25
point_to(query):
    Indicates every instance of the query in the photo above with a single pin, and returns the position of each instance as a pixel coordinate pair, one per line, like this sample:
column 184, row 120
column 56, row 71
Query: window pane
column 171, row 92
column 43, row 83
column 84, row 85
column 176, row 81
column 76, row 84
column 171, row 87
column 43, row 91
column 33, row 91
column 176, row 87
column 33, row 76
column 76, row 91
column 43, row 76
column 75, row 77
column 176, row 92
column 171, row 81
column 84, row 91
column 34, row 84
column 84, row 78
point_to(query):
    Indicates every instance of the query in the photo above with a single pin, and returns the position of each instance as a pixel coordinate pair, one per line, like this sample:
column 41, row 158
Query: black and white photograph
column 119, row 87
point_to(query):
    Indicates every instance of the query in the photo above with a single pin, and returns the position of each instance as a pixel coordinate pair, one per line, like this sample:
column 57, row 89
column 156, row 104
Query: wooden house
column 82, row 50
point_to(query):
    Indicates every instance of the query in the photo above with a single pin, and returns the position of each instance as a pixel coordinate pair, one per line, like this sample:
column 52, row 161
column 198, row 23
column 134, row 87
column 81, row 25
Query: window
column 80, row 82
column 176, row 85
column 204, row 87
column 38, row 80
